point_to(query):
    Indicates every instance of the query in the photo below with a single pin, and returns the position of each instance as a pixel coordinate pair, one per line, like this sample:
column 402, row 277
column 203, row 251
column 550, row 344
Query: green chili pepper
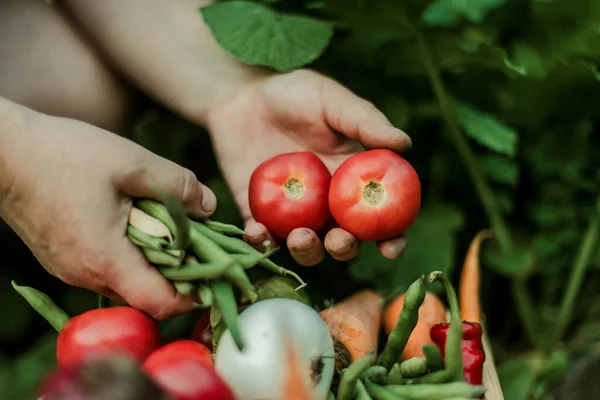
column 235, row 245
column 170, row 258
column 434, row 358
column 44, row 305
column 407, row 320
column 185, row 288
column 395, row 375
column 381, row 393
column 376, row 373
column 453, row 349
column 361, row 391
column 142, row 239
column 440, row 391
column 209, row 250
column 225, row 300
column 440, row 376
column 415, row 366
column 188, row 272
column 347, row 387
column 225, row 229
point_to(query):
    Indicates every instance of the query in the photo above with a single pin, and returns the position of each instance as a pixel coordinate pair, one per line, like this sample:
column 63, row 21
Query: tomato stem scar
column 294, row 188
column 373, row 193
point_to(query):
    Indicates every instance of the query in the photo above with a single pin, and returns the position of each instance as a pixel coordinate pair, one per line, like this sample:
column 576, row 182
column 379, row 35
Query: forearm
column 166, row 49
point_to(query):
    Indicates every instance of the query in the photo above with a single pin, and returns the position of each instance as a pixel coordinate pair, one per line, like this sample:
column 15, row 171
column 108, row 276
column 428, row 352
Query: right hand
column 69, row 197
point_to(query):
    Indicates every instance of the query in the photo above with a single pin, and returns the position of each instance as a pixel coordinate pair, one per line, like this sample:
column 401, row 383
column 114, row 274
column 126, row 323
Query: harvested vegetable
column 354, row 325
column 468, row 289
column 290, row 191
column 259, row 372
column 348, row 384
column 177, row 349
column 295, row 387
column 97, row 332
column 440, row 391
column 431, row 312
column 202, row 332
column 375, row 195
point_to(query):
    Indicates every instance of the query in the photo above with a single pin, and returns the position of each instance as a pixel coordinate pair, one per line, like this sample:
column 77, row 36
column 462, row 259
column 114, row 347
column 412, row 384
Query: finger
column 360, row 120
column 144, row 288
column 341, row 244
column 257, row 234
column 305, row 247
column 393, row 248
column 154, row 172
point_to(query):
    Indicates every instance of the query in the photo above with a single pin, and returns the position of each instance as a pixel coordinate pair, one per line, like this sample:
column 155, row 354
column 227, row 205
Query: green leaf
column 517, row 378
column 282, row 287
column 257, row 35
column 501, row 169
column 487, row 130
column 434, row 228
column 449, row 13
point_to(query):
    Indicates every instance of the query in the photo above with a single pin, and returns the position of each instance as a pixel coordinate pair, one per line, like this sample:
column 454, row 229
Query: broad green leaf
column 501, row 169
column 487, row 130
column 257, row 35
column 435, row 228
column 449, row 13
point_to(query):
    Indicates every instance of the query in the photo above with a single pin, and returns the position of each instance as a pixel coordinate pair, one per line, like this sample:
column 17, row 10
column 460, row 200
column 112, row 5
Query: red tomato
column 289, row 191
column 375, row 195
column 186, row 373
column 98, row 332
column 202, row 332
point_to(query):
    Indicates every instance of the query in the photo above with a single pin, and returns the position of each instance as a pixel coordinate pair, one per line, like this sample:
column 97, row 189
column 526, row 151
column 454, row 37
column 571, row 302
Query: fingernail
column 305, row 246
column 209, row 200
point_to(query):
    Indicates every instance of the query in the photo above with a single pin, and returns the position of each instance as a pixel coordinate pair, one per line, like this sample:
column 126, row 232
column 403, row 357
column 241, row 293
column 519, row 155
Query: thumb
column 141, row 286
column 154, row 172
column 360, row 120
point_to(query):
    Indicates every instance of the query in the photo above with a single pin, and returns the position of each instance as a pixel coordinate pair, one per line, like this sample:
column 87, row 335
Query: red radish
column 185, row 372
column 100, row 331
column 375, row 195
column 176, row 350
column 202, row 332
column 289, row 191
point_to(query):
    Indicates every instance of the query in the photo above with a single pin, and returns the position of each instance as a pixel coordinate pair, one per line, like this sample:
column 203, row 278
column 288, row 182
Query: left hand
column 298, row 111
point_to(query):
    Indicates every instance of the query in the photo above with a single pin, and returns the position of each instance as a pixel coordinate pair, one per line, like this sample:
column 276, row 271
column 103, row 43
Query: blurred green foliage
column 501, row 100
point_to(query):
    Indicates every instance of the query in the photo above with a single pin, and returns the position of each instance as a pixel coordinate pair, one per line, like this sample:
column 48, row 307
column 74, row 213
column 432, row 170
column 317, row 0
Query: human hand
column 69, row 200
column 298, row 111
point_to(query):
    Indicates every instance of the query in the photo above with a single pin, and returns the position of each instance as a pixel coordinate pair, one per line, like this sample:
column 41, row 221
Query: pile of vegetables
column 271, row 342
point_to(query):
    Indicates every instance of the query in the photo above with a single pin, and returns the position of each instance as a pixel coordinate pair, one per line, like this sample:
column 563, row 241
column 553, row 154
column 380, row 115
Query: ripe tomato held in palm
column 290, row 191
column 106, row 330
column 375, row 195
column 185, row 373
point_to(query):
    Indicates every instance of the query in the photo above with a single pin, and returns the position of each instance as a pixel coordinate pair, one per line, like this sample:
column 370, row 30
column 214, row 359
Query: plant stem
column 483, row 190
column 576, row 277
column 525, row 309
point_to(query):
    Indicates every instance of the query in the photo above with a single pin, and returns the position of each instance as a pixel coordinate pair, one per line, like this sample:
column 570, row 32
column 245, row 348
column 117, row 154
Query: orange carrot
column 294, row 386
column 355, row 323
column 470, row 307
column 431, row 312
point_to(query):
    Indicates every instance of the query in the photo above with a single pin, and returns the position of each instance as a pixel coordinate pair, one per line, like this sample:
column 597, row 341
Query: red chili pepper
column 473, row 355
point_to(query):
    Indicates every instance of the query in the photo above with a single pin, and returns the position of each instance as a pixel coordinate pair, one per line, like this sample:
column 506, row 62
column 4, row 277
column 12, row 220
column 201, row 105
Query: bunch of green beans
column 387, row 377
column 202, row 259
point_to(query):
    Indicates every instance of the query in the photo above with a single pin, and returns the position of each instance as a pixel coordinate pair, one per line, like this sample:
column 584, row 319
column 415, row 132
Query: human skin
column 249, row 111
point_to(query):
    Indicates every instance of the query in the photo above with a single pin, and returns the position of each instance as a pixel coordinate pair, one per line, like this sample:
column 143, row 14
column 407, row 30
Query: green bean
column 44, row 305
column 347, row 387
column 185, row 288
column 407, row 320
column 330, row 396
column 440, row 391
column 440, row 376
column 225, row 300
column 395, row 375
column 209, row 250
column 206, row 294
column 188, row 272
column 376, row 373
column 433, row 356
column 225, row 229
column 361, row 391
column 180, row 219
column 142, row 239
column 381, row 393
column 157, row 210
column 250, row 260
column 453, row 349
column 171, row 258
column 103, row 301
column 413, row 367
column 235, row 245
